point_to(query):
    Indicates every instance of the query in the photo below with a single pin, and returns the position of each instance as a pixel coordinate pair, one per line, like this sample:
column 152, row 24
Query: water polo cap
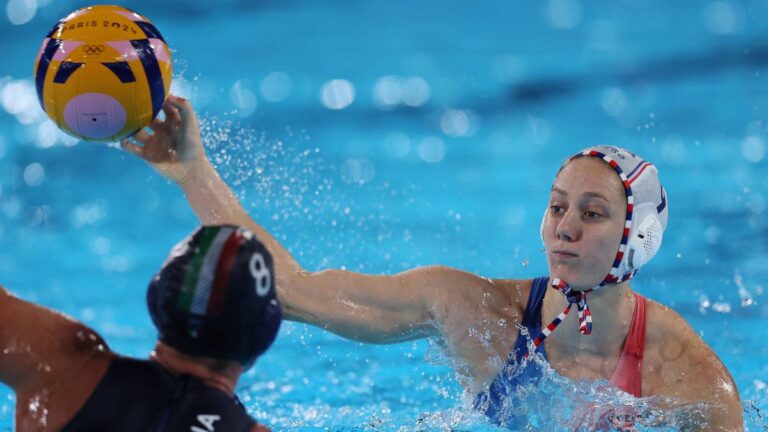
column 647, row 210
column 215, row 296
column 644, row 227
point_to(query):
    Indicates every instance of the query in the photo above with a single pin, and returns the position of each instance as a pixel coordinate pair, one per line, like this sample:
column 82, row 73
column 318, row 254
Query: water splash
column 37, row 408
column 557, row 403
column 755, row 418
column 744, row 294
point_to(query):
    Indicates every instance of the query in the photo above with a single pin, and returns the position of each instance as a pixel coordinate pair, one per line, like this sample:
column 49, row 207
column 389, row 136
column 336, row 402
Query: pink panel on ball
column 125, row 49
column 65, row 48
column 161, row 50
column 42, row 49
column 94, row 116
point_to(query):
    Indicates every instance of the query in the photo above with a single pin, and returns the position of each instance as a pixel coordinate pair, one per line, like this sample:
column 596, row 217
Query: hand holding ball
column 102, row 73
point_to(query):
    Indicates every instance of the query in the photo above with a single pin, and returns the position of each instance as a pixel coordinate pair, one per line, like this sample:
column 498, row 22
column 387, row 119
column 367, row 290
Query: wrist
column 200, row 171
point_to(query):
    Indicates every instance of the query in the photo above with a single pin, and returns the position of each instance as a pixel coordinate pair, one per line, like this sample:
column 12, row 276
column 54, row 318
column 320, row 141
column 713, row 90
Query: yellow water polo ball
column 103, row 73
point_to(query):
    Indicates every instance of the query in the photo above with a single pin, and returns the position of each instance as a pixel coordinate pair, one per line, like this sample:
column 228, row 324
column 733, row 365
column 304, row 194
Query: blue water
column 458, row 177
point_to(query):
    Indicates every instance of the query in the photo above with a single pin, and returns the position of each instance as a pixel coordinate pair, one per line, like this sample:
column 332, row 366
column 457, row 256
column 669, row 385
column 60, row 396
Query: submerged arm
column 379, row 309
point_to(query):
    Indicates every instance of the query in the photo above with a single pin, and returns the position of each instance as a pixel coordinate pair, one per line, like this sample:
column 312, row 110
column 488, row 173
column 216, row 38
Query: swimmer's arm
column 708, row 376
column 419, row 303
column 366, row 308
column 375, row 309
column 175, row 150
column 379, row 309
column 39, row 346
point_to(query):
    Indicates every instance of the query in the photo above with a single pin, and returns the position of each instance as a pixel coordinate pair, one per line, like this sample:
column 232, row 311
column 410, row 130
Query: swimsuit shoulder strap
column 531, row 320
column 532, row 315
column 628, row 374
column 635, row 343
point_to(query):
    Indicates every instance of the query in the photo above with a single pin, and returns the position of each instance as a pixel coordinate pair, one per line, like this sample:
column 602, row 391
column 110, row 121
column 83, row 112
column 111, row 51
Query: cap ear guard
column 645, row 240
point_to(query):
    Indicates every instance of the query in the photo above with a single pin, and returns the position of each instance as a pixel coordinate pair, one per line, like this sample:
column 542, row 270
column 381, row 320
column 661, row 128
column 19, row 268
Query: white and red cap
column 647, row 210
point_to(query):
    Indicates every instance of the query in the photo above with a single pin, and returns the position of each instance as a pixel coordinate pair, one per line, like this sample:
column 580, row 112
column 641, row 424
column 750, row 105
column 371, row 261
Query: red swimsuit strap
column 628, row 374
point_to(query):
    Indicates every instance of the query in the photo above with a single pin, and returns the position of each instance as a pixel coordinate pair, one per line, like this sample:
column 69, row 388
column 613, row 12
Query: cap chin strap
column 643, row 243
column 579, row 298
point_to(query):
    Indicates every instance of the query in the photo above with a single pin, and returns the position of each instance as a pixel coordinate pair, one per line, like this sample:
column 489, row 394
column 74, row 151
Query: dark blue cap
column 215, row 296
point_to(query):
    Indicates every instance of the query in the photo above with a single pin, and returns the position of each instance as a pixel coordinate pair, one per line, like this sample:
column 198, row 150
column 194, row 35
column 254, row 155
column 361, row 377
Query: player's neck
column 612, row 309
column 179, row 363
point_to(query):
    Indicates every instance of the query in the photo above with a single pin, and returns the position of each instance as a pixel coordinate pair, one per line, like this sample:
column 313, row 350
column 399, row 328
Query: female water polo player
column 606, row 215
column 213, row 303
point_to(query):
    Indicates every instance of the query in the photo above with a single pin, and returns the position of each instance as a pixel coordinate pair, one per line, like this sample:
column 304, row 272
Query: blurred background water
column 378, row 136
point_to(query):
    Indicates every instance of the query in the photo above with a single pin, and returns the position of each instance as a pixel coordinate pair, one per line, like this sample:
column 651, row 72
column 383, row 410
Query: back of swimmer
column 213, row 303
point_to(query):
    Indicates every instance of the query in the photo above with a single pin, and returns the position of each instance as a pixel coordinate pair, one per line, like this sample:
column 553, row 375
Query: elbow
column 294, row 294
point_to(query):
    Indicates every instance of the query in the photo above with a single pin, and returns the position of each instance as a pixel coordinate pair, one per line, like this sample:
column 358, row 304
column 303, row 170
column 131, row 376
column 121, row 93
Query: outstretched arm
column 368, row 308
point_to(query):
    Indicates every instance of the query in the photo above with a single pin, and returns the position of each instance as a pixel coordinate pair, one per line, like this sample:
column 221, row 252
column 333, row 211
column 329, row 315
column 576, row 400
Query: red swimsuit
column 628, row 375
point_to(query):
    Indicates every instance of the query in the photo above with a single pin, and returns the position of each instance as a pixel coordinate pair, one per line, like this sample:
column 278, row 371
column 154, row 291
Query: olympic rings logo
column 93, row 49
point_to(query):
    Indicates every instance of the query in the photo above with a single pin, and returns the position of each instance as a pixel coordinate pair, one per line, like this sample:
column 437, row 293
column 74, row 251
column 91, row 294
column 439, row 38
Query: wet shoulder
column 87, row 360
column 514, row 294
column 679, row 364
column 465, row 293
column 673, row 348
column 480, row 324
column 666, row 331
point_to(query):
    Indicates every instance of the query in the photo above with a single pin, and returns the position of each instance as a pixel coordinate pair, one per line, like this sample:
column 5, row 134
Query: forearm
column 365, row 325
column 365, row 308
column 214, row 203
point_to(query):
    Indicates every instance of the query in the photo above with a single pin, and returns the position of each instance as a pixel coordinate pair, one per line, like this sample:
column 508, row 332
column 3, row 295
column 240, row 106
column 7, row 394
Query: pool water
column 379, row 136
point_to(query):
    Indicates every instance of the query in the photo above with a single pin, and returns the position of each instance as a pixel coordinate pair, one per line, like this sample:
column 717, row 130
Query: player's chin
column 574, row 276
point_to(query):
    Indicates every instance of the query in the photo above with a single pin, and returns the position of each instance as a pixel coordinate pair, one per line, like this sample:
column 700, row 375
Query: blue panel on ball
column 150, row 30
column 42, row 67
column 122, row 70
column 152, row 69
column 66, row 69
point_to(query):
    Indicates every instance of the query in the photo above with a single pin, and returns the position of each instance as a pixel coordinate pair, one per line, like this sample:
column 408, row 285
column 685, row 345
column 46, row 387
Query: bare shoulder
column 679, row 364
column 668, row 335
column 33, row 332
column 504, row 298
column 478, row 319
column 673, row 343
column 477, row 294
column 515, row 293
column 49, row 354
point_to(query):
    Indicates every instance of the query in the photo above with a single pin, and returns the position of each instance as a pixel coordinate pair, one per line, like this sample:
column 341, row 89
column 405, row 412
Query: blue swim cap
column 215, row 296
